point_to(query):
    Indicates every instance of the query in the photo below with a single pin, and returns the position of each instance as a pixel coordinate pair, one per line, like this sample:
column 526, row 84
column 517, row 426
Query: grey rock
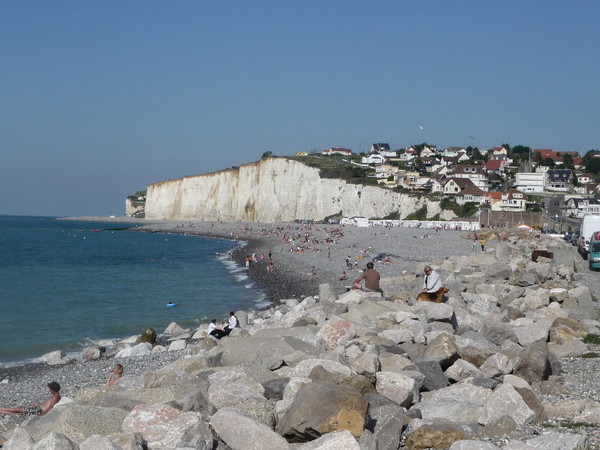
column 240, row 431
column 19, row 440
column 55, row 441
column 98, row 442
column 533, row 364
column 321, row 408
column 435, row 378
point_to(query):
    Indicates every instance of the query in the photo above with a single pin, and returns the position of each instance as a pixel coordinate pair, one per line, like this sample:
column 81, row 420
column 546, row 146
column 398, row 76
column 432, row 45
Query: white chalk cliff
column 273, row 190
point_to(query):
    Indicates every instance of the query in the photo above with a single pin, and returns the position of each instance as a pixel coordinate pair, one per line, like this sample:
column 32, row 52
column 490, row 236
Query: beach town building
column 496, row 166
column 454, row 185
column 470, row 194
column 559, row 179
column 373, row 158
column 577, row 207
column 474, row 173
column 337, row 151
column 511, row 200
column 584, row 178
column 530, row 182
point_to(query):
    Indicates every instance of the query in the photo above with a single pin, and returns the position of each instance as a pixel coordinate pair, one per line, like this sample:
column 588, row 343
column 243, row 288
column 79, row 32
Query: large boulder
column 266, row 352
column 338, row 440
column 165, row 428
column 337, row 332
column 534, row 364
column 437, row 434
column 506, row 401
column 235, row 389
column 321, row 408
column 240, row 431
column 398, row 387
column 149, row 335
column 78, row 422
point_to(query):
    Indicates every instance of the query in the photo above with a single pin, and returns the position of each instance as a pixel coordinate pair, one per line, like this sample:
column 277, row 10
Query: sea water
column 68, row 284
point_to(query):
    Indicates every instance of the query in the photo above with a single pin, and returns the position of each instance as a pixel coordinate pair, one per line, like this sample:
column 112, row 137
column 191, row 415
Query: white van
column 589, row 224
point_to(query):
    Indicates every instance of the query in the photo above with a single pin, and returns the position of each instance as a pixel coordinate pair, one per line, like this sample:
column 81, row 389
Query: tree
column 568, row 161
column 267, row 154
column 548, row 162
column 592, row 162
column 506, row 146
column 520, row 152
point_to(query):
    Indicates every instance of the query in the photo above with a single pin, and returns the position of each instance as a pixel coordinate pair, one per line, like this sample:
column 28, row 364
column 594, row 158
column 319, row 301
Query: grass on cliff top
column 334, row 167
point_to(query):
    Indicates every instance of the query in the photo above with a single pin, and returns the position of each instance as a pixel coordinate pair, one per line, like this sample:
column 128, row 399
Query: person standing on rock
column 37, row 409
column 371, row 277
column 482, row 245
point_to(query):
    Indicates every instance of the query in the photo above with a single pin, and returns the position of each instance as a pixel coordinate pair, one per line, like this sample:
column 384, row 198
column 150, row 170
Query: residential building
column 496, row 166
column 337, row 151
column 373, row 158
column 559, row 179
column 454, row 185
column 470, row 194
column 577, row 207
column 382, row 147
column 584, row 178
column 511, row 200
column 474, row 173
column 530, row 182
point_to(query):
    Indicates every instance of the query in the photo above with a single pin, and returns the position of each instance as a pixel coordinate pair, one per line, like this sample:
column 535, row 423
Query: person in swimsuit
column 115, row 374
column 37, row 409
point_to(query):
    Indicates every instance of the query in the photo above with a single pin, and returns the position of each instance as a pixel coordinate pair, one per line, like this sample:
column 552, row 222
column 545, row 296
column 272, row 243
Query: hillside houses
column 496, row 177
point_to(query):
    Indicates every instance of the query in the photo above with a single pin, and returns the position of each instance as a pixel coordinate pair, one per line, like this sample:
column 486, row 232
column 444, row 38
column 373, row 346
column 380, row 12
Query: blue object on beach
column 171, row 304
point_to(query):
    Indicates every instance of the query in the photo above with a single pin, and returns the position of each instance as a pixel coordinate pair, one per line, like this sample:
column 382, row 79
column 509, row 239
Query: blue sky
column 100, row 99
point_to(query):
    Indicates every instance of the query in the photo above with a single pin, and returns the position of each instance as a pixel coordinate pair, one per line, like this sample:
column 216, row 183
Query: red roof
column 493, row 164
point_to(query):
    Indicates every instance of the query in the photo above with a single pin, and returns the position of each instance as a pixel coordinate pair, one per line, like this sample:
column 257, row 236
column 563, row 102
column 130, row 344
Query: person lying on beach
column 37, row 409
column 343, row 276
column 215, row 330
column 115, row 374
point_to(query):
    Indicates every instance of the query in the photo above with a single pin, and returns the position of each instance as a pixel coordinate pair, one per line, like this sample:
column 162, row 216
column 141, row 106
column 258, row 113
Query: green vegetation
column 334, row 167
column 466, row 210
column 337, row 216
column 393, row 216
column 591, row 339
column 420, row 214
column 590, row 355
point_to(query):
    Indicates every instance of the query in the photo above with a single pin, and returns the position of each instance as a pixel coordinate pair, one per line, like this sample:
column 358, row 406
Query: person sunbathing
column 115, row 375
column 37, row 409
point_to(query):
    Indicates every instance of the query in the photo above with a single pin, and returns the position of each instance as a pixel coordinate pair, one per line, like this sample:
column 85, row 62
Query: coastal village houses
column 452, row 173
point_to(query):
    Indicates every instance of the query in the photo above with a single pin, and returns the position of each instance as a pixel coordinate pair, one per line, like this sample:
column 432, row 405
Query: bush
column 420, row 214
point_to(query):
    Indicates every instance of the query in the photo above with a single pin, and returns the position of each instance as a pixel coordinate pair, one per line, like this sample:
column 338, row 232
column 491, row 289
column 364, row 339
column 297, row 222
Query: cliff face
column 273, row 190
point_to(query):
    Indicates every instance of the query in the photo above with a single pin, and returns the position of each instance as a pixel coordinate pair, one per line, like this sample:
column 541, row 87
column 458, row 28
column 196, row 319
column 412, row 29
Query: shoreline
column 22, row 385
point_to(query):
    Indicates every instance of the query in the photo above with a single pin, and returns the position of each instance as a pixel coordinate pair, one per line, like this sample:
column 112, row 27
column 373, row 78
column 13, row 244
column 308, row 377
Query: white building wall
column 530, row 182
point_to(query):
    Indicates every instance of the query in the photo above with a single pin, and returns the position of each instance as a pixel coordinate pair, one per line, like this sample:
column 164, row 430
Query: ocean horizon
column 68, row 284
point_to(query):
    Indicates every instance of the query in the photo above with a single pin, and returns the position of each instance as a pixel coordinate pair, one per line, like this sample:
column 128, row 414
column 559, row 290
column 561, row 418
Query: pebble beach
column 304, row 256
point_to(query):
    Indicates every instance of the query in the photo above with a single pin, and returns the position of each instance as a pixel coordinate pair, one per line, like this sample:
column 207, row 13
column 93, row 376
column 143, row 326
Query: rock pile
column 359, row 371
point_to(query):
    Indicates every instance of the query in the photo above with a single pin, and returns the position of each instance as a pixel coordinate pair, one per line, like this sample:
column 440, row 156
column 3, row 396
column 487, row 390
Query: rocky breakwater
column 482, row 370
column 274, row 190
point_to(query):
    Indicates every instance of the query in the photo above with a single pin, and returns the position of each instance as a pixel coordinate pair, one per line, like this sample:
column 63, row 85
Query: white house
column 337, row 151
column 530, row 181
column 373, row 158
column 474, row 173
